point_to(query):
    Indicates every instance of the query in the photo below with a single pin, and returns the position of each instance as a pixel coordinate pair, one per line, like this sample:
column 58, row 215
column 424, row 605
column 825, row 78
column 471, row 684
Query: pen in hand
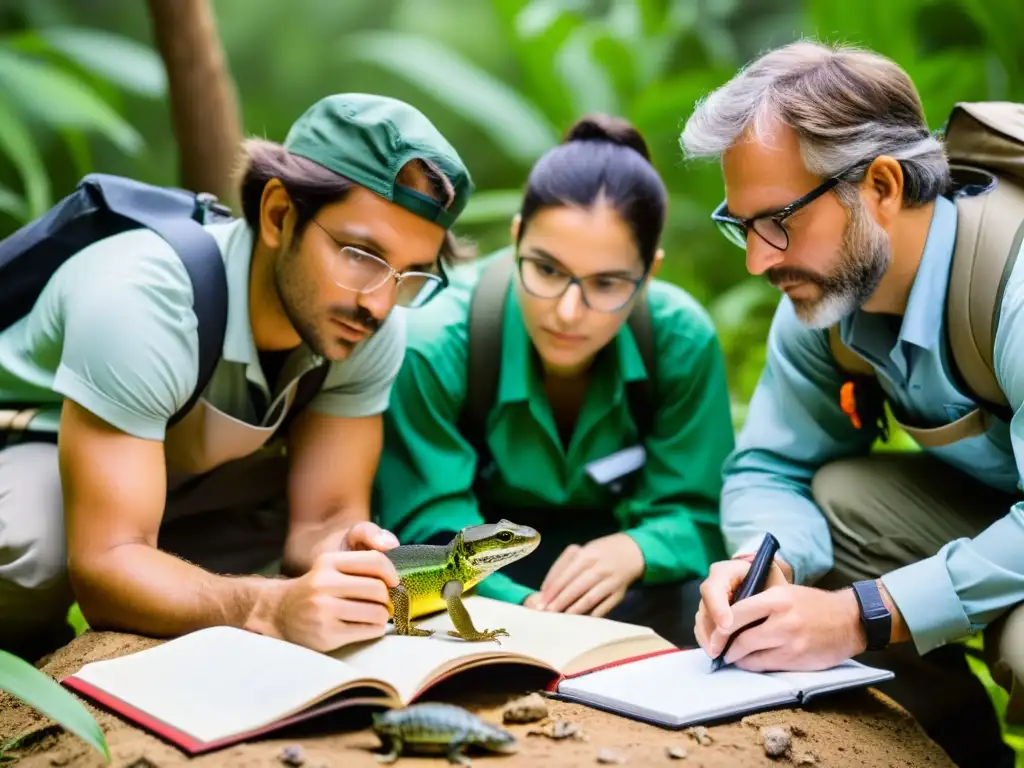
column 752, row 584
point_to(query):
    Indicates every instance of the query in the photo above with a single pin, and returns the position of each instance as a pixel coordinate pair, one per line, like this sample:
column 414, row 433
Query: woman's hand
column 592, row 578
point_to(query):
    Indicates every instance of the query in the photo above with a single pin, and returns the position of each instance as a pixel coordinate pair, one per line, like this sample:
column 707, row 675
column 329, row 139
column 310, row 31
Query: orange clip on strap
column 848, row 402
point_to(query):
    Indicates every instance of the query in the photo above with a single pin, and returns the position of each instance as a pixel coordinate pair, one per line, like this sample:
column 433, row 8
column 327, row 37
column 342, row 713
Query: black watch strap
column 874, row 615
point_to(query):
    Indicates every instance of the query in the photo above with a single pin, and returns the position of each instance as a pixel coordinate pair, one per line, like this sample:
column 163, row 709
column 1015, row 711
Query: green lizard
column 433, row 577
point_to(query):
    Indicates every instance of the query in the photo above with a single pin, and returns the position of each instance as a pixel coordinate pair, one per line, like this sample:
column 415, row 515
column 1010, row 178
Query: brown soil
column 860, row 728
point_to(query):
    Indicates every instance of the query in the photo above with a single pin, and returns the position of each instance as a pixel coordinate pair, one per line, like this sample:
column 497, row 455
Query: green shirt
column 427, row 469
column 114, row 330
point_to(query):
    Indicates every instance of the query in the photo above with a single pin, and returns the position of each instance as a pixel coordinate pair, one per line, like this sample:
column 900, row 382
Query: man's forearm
column 137, row 588
column 754, row 503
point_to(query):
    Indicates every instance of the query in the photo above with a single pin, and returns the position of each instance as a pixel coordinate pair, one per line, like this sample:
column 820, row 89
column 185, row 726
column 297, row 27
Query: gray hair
column 847, row 106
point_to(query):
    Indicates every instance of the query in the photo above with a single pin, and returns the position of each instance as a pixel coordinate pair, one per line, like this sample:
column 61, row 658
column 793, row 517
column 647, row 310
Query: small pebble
column 610, row 756
column 806, row 758
column 676, row 753
column 292, row 755
column 776, row 741
column 61, row 758
column 700, row 734
column 527, row 709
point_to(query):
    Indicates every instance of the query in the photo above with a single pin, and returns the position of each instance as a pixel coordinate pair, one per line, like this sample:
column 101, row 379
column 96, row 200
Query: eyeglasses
column 601, row 292
column 771, row 227
column 363, row 272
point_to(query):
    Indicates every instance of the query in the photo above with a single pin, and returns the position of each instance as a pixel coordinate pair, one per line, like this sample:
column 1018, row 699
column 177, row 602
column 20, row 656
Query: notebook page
column 220, row 681
column 849, row 674
column 678, row 688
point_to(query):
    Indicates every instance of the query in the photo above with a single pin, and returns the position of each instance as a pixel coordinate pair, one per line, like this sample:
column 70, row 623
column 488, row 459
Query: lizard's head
column 489, row 546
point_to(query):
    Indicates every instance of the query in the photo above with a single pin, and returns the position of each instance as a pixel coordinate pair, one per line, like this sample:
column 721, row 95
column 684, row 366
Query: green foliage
column 41, row 692
column 60, row 79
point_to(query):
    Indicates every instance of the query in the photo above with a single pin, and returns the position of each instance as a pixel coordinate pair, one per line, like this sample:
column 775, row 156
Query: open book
column 220, row 686
column 677, row 690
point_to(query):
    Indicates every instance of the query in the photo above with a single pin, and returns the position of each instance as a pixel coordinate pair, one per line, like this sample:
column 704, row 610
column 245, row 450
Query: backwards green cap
column 368, row 139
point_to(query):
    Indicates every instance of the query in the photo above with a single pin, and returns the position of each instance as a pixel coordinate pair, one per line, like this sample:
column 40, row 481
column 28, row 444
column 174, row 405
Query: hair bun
column 599, row 127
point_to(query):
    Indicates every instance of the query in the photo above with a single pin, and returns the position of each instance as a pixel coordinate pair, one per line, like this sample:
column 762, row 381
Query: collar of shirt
column 888, row 345
column 520, row 378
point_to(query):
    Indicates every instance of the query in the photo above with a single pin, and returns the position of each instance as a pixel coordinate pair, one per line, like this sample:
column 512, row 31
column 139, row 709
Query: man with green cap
column 152, row 523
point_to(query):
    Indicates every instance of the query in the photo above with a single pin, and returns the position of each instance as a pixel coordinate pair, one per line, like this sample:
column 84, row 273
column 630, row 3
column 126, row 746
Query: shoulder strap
column 309, row 386
column 848, row 361
column 641, row 392
column 197, row 250
column 483, row 364
column 990, row 229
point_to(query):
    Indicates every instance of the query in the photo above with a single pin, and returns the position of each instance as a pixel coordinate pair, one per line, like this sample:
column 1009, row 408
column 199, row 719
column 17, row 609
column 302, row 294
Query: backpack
column 103, row 205
column 486, row 311
column 985, row 145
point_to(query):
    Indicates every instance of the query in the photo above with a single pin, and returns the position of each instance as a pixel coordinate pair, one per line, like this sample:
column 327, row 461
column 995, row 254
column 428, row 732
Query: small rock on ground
column 676, row 753
column 700, row 734
column 292, row 756
column 610, row 756
column 806, row 758
column 776, row 740
column 526, row 709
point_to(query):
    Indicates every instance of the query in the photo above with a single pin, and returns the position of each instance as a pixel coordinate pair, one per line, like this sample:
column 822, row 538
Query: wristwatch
column 874, row 615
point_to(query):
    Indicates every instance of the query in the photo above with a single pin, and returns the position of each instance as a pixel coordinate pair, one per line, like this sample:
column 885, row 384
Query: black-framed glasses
column 601, row 292
column 358, row 270
column 771, row 227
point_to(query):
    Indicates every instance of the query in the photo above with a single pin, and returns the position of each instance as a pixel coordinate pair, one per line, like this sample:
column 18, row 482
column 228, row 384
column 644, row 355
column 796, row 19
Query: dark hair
column 601, row 155
column 312, row 186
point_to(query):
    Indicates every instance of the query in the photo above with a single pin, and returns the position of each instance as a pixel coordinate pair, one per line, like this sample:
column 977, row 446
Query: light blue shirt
column 795, row 425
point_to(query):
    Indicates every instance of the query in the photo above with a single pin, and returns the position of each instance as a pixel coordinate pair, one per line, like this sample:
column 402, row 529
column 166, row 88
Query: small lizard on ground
column 436, row 727
column 433, row 577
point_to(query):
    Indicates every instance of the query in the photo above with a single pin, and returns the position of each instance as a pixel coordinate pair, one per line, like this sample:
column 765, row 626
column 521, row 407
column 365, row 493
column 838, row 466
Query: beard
column 297, row 292
column 863, row 258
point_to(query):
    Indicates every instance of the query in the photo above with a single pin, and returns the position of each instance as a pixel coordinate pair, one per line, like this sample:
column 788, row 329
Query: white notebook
column 679, row 690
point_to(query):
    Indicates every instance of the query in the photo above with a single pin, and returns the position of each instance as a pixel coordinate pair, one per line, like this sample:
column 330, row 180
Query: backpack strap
column 198, row 251
column 483, row 363
column 641, row 392
column 990, row 229
column 309, row 386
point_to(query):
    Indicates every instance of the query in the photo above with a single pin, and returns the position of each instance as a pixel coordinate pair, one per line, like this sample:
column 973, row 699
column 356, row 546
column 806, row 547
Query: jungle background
column 85, row 86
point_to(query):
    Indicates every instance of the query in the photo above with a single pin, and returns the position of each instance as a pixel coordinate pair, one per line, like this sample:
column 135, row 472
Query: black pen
column 752, row 583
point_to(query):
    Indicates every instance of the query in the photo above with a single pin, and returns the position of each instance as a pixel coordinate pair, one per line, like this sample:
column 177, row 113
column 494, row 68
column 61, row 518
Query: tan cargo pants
column 891, row 509
column 231, row 520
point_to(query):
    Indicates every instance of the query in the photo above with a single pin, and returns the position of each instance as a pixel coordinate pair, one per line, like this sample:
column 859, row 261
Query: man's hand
column 592, row 578
column 342, row 599
column 724, row 579
column 359, row 537
column 803, row 629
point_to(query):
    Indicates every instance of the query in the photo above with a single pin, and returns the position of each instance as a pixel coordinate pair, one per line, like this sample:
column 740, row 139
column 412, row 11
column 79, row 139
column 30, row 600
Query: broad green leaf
column 16, row 142
column 130, row 64
column 40, row 691
column 13, row 204
column 586, row 80
column 509, row 118
column 538, row 16
column 490, row 206
column 62, row 101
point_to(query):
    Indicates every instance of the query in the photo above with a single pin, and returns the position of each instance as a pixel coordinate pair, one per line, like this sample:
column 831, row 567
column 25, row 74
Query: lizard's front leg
column 452, row 593
column 400, row 599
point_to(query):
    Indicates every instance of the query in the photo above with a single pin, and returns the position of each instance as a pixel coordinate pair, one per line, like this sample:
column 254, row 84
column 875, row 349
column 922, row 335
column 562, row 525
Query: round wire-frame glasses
column 601, row 292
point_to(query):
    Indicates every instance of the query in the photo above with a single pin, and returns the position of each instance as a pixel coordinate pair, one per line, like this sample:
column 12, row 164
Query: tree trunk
column 204, row 107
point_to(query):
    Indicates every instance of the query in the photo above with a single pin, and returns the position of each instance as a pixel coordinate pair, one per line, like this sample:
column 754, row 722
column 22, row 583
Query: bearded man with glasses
column 167, row 488
column 897, row 253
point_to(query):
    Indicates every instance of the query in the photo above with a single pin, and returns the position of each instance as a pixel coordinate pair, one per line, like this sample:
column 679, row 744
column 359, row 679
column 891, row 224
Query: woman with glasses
column 551, row 335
